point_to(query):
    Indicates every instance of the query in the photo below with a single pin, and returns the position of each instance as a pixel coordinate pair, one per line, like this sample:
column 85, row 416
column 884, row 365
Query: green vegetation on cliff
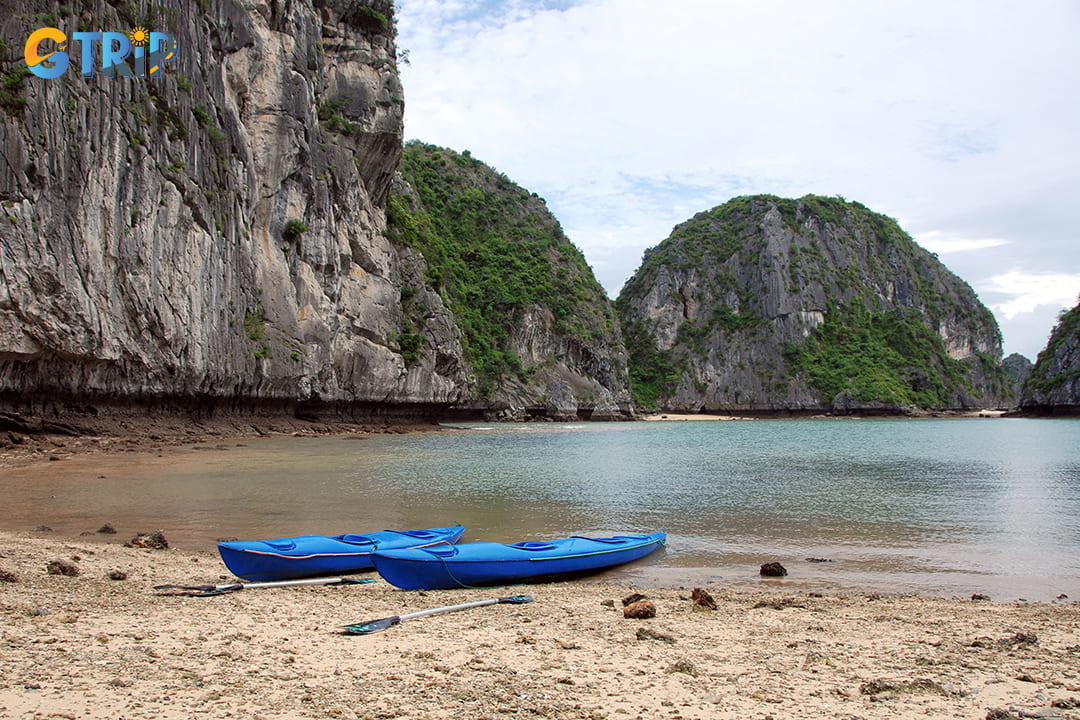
column 493, row 250
column 879, row 358
column 1051, row 370
column 653, row 373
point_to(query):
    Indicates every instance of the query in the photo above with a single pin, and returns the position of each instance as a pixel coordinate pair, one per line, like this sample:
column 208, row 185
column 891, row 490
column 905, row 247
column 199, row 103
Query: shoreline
column 91, row 647
column 26, row 440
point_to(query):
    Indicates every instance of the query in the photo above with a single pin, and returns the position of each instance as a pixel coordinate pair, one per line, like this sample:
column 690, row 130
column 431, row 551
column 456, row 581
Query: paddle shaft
column 270, row 584
column 309, row 581
column 449, row 608
column 372, row 626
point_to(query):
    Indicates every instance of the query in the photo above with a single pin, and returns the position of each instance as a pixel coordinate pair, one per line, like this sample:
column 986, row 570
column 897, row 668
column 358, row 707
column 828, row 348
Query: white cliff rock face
column 216, row 235
column 583, row 381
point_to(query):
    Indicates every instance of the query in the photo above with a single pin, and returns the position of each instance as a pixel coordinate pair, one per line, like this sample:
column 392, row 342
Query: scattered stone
column 631, row 599
column 702, row 600
column 818, row 560
column 526, row 640
column 1001, row 714
column 883, row 697
column 8, row 577
column 43, row 528
column 650, row 634
column 779, row 603
column 773, row 569
column 40, row 612
column 815, row 658
column 888, row 689
column 153, row 541
column 1070, row 703
column 62, row 567
column 1062, row 596
column 227, row 539
column 642, row 610
column 607, row 603
column 977, row 597
column 1019, row 638
column 117, row 575
column 682, row 666
column 107, row 529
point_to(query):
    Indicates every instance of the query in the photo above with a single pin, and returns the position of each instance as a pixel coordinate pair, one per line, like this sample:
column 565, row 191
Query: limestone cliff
column 1018, row 368
column 540, row 336
column 766, row 304
column 1053, row 386
column 215, row 237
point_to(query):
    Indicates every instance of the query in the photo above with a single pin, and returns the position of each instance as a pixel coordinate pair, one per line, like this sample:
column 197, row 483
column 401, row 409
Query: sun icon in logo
column 139, row 36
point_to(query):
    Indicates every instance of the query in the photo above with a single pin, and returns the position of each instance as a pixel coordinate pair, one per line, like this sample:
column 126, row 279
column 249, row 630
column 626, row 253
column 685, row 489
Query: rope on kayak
column 450, row 574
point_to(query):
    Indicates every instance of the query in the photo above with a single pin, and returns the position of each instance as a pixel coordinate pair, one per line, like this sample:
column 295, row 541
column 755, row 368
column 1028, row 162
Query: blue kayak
column 312, row 555
column 487, row 563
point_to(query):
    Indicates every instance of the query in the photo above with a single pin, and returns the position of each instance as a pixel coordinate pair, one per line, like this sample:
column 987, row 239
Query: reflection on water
column 938, row 506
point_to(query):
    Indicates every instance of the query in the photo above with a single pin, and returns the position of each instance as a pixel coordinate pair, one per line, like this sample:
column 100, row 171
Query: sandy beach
column 87, row 646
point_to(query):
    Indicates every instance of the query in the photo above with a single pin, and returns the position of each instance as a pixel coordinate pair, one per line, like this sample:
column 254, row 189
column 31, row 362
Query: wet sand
column 19, row 449
column 92, row 647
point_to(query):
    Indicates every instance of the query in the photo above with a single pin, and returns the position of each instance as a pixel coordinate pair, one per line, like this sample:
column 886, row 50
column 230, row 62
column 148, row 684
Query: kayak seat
column 617, row 540
column 534, row 546
column 355, row 539
column 282, row 545
column 421, row 534
column 442, row 552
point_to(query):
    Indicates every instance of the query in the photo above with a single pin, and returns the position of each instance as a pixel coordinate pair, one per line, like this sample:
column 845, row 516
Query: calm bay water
column 942, row 507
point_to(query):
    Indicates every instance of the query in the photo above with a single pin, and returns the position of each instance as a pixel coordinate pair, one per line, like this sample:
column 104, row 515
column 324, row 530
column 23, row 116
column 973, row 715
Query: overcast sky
column 961, row 119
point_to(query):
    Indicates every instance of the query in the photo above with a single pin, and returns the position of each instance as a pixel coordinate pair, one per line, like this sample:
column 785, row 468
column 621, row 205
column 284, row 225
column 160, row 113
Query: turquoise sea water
column 942, row 507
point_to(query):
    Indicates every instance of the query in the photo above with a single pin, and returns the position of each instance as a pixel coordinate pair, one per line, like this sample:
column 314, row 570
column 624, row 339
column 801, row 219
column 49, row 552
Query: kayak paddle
column 374, row 626
column 208, row 590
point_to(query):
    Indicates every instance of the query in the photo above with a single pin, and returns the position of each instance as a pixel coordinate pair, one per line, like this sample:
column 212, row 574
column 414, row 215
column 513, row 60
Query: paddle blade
column 516, row 599
column 371, row 626
column 354, row 581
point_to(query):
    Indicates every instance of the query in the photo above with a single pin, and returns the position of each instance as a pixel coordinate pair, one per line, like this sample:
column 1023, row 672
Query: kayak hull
column 479, row 564
column 315, row 555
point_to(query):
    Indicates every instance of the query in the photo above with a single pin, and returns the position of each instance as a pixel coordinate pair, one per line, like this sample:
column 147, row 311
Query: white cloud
column 942, row 244
column 1024, row 292
column 630, row 116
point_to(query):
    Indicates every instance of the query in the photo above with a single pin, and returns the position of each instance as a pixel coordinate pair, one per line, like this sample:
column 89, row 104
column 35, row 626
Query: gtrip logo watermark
column 135, row 54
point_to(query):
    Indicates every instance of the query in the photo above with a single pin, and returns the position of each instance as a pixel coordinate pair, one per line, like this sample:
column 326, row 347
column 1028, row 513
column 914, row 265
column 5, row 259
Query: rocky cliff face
column 1018, row 368
column 766, row 304
column 216, row 237
column 540, row 336
column 1053, row 386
